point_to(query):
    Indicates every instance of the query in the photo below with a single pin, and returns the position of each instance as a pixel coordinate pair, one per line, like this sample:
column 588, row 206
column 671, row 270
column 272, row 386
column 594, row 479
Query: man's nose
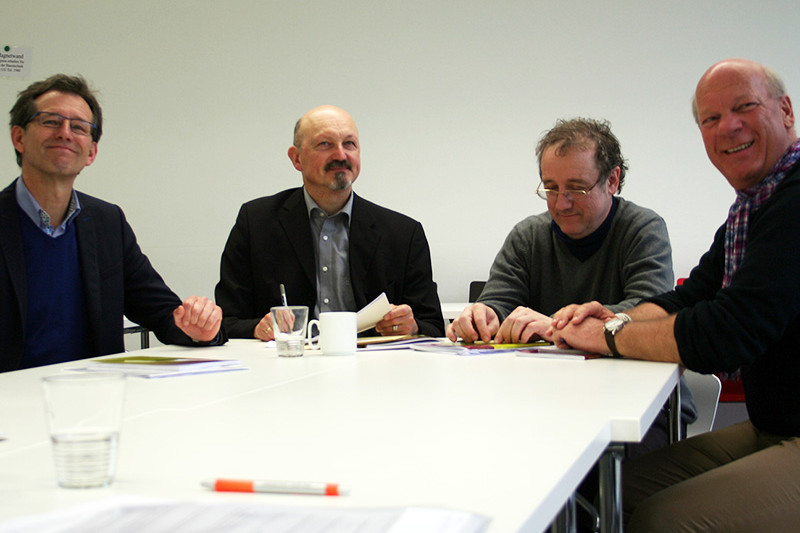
column 64, row 131
column 340, row 154
column 730, row 123
column 562, row 202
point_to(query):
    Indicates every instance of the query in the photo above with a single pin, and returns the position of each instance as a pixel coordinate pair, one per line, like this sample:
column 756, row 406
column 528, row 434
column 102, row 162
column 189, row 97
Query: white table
column 504, row 436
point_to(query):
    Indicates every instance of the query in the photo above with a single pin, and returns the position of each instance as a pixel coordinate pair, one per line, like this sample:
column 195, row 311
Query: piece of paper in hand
column 373, row 312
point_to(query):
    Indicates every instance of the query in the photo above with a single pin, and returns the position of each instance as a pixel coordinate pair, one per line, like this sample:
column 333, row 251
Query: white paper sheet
column 373, row 312
column 134, row 515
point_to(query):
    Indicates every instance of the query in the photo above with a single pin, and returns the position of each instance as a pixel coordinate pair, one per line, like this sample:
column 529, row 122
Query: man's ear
column 613, row 180
column 92, row 154
column 294, row 156
column 17, row 133
column 788, row 112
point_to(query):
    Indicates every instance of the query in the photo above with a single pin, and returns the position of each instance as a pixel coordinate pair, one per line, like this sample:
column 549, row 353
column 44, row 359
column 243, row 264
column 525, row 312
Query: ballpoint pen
column 278, row 487
column 283, row 296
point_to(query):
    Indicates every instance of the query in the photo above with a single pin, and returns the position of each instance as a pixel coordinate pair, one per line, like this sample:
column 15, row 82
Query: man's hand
column 587, row 336
column 581, row 327
column 577, row 313
column 476, row 322
column 199, row 318
column 524, row 325
column 398, row 321
column 263, row 330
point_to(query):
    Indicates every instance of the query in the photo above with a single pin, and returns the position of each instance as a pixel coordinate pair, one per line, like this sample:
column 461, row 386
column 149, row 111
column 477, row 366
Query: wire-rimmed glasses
column 573, row 195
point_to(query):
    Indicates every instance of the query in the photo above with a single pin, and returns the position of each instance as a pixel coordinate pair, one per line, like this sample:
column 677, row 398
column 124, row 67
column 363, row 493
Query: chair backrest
column 705, row 390
column 475, row 290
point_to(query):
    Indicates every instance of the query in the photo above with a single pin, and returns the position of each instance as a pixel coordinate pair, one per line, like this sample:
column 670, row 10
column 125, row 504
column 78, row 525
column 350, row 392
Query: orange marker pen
column 277, row 487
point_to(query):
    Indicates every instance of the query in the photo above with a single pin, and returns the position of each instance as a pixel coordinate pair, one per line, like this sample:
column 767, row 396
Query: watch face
column 614, row 325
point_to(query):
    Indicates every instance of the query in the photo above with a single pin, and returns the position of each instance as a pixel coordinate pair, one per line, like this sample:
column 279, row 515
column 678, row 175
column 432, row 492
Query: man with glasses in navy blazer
column 70, row 267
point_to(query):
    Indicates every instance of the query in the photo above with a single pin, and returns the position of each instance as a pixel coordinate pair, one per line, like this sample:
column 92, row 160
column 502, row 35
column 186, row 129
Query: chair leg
column 565, row 521
column 610, row 492
column 590, row 509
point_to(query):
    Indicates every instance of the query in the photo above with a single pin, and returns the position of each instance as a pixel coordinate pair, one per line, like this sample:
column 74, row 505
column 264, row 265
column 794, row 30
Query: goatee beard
column 340, row 181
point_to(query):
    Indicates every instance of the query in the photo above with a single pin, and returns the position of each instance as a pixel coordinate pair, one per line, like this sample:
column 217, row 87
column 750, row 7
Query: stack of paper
column 553, row 352
column 460, row 348
column 393, row 342
column 148, row 366
column 128, row 515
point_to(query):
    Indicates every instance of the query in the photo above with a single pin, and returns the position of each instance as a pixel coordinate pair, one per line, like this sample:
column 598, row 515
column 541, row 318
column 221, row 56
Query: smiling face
column 745, row 129
column 577, row 169
column 55, row 153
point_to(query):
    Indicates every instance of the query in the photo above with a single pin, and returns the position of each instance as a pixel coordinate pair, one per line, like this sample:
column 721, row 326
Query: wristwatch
column 611, row 328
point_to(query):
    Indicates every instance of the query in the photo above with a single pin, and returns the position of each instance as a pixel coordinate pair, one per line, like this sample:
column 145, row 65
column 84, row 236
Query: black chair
column 475, row 290
column 144, row 333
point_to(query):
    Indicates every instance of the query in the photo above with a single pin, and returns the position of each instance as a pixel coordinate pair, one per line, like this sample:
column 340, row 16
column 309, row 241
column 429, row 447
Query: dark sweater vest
column 56, row 325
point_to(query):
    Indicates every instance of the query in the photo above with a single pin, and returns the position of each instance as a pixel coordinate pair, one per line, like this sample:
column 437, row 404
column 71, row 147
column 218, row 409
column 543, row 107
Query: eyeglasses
column 573, row 195
column 54, row 120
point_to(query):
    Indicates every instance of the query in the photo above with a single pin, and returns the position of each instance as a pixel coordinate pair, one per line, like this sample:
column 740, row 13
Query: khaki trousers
column 736, row 479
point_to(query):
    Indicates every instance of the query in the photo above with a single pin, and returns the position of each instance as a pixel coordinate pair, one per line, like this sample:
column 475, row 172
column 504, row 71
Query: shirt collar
column 39, row 216
column 311, row 205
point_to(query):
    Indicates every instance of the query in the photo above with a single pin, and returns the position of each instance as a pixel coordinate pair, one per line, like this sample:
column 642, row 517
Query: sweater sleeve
column 729, row 327
column 508, row 285
column 646, row 261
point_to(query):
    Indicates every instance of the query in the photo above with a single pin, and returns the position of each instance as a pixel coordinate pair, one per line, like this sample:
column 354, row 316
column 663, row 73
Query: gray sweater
column 535, row 269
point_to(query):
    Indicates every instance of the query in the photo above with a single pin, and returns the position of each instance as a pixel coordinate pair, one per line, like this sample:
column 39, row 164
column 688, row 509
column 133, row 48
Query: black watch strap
column 612, row 346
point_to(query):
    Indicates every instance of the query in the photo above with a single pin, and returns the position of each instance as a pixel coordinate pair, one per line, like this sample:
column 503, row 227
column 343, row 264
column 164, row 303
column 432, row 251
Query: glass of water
column 289, row 327
column 84, row 412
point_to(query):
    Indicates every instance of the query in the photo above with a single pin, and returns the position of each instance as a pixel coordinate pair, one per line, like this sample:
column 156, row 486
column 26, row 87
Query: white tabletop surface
column 504, row 436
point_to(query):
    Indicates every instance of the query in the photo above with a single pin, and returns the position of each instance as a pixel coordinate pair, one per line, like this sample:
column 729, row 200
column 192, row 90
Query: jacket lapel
column 11, row 247
column 293, row 218
column 364, row 239
column 88, row 244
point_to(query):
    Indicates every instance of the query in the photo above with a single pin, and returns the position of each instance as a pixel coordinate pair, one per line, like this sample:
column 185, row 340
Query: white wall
column 200, row 99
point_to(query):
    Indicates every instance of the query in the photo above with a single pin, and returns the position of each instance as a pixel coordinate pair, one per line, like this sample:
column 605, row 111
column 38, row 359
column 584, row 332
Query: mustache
column 338, row 164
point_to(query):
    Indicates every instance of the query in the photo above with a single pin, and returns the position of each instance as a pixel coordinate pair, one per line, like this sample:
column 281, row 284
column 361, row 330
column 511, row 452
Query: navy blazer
column 117, row 279
column 271, row 243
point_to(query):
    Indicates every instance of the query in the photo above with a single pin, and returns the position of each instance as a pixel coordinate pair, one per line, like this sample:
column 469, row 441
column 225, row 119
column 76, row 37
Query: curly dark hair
column 584, row 134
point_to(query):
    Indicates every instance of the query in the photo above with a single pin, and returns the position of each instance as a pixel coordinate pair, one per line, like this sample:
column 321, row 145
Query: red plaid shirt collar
column 747, row 202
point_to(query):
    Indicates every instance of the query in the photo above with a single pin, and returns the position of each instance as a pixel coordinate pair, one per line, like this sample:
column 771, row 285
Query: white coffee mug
column 337, row 333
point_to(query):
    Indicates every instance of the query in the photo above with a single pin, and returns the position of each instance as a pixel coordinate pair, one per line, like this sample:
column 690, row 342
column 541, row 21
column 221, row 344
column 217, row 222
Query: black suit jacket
column 271, row 243
column 117, row 279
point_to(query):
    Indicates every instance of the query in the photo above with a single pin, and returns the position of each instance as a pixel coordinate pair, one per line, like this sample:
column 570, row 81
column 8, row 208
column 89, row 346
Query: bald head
column 745, row 118
column 317, row 115
column 774, row 84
